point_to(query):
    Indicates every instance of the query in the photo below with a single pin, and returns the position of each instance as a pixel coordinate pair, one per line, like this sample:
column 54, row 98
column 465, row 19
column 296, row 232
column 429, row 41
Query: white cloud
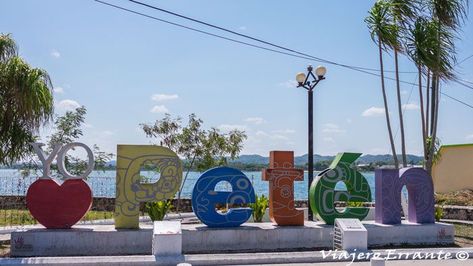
column 373, row 112
column 255, row 120
column 228, row 127
column 55, row 53
column 332, row 129
column 469, row 137
column 87, row 125
column 159, row 109
column 58, row 90
column 242, row 28
column 164, row 97
column 67, row 105
column 289, row 84
column 410, row 106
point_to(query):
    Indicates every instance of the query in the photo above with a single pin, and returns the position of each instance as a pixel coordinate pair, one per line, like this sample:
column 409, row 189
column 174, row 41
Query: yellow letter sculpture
column 130, row 191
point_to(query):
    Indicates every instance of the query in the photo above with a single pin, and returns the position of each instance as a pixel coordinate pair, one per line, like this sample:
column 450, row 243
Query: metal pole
column 311, row 152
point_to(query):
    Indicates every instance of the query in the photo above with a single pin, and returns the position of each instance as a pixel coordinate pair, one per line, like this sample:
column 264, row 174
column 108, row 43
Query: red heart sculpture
column 58, row 206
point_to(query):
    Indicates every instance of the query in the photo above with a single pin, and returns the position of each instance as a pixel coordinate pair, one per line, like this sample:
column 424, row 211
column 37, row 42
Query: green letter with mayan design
column 131, row 191
column 323, row 195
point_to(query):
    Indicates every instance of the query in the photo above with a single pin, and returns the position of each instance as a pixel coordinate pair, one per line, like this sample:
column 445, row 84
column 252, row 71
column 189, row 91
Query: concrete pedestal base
column 167, row 239
column 104, row 240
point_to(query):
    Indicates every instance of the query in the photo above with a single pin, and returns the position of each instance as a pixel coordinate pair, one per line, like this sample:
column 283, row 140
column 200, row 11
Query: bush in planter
column 438, row 213
column 157, row 210
column 259, row 208
column 355, row 204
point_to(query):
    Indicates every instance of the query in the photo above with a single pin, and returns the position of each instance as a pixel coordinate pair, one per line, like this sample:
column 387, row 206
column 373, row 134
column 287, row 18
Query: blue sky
column 127, row 70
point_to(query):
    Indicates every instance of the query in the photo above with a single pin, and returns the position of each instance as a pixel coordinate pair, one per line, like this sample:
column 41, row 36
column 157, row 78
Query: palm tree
column 381, row 30
column 26, row 102
column 448, row 16
column 402, row 11
column 417, row 48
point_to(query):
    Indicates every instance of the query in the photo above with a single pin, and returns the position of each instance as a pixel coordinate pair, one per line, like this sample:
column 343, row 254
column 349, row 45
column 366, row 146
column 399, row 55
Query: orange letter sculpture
column 281, row 176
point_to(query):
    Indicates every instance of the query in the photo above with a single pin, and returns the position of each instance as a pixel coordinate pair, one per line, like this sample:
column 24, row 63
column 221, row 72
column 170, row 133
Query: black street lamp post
column 309, row 82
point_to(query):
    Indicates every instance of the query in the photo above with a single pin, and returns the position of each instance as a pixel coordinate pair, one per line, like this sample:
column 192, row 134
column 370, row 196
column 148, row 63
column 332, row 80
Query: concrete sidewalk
column 388, row 263
column 270, row 258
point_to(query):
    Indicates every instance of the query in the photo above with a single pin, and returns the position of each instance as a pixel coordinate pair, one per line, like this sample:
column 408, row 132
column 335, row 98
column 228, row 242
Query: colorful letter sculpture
column 54, row 205
column 281, row 176
column 389, row 183
column 58, row 206
column 204, row 197
column 323, row 194
column 130, row 191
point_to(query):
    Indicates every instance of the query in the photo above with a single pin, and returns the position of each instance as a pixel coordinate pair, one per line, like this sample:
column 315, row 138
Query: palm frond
column 8, row 47
column 451, row 13
column 26, row 103
column 381, row 26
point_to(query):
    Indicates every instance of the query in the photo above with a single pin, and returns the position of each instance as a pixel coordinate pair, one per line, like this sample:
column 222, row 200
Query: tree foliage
column 426, row 30
column 200, row 147
column 204, row 148
column 68, row 128
column 383, row 33
column 26, row 102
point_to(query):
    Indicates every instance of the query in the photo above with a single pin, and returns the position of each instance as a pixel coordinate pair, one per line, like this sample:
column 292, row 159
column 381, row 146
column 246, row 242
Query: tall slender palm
column 402, row 11
column 448, row 16
column 417, row 48
column 381, row 30
column 26, row 102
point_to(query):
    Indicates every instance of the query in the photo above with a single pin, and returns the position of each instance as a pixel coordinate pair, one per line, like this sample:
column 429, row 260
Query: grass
column 463, row 235
column 464, row 231
column 23, row 217
column 460, row 198
column 97, row 215
column 16, row 217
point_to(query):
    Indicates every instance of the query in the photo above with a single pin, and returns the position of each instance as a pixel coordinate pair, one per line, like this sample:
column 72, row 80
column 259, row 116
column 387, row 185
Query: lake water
column 103, row 183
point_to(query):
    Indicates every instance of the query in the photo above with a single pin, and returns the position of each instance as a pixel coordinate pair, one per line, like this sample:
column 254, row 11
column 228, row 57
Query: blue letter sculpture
column 204, row 197
column 420, row 189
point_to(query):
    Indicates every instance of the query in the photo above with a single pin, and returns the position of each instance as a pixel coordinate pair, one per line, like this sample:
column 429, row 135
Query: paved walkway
column 388, row 263
column 269, row 258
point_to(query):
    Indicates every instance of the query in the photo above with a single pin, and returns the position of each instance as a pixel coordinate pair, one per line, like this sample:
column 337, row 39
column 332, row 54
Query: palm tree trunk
column 391, row 139
column 399, row 107
column 433, row 102
column 434, row 119
column 427, row 104
column 421, row 100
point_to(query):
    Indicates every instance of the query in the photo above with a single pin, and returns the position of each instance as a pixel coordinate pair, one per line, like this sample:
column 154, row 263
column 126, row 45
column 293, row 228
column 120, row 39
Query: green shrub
column 355, row 204
column 157, row 210
column 259, row 208
column 438, row 213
